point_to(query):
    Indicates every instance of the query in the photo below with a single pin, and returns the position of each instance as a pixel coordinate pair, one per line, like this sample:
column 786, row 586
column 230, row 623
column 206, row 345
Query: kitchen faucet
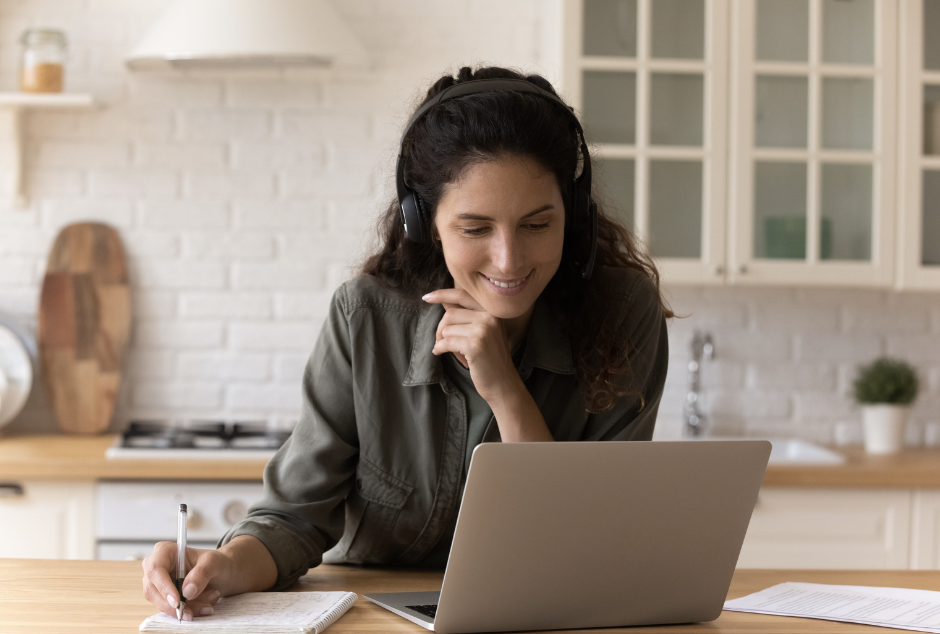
column 700, row 347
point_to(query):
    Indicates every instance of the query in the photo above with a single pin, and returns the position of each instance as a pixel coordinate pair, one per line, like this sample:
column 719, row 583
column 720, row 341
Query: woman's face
column 502, row 226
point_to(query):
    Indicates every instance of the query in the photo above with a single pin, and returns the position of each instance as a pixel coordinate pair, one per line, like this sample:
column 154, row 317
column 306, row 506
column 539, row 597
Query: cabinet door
column 650, row 80
column 919, row 192
column 47, row 520
column 925, row 531
column 813, row 154
column 828, row 528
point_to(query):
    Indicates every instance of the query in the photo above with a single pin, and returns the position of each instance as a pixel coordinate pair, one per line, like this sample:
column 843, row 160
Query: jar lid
column 43, row 36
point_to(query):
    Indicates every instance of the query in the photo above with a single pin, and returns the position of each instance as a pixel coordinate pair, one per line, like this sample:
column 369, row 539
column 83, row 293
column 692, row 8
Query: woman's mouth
column 507, row 287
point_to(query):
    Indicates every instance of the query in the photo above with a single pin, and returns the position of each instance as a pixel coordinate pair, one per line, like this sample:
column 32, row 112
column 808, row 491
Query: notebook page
column 899, row 608
column 262, row 612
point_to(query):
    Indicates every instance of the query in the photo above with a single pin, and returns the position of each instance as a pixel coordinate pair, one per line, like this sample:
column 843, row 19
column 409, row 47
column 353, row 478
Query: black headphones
column 581, row 219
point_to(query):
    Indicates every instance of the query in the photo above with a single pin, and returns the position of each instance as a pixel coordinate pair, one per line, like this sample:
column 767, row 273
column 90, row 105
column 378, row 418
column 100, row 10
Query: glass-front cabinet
column 919, row 265
column 650, row 81
column 746, row 141
column 812, row 170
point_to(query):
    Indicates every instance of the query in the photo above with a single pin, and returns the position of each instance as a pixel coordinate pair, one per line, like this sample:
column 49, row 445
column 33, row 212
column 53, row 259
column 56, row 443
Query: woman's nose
column 506, row 253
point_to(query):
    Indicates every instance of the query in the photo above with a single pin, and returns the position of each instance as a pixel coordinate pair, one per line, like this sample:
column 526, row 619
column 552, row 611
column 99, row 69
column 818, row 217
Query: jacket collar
column 547, row 347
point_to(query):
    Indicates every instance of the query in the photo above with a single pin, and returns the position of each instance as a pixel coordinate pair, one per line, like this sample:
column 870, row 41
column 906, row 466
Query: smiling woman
column 501, row 305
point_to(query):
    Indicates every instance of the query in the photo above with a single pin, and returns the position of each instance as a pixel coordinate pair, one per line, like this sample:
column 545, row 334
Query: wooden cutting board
column 84, row 322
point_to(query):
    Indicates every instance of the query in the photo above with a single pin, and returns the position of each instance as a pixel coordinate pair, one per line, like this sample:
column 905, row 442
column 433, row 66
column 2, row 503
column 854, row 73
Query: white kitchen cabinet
column 47, row 519
column 813, row 158
column 779, row 167
column 829, row 528
column 925, row 534
column 919, row 190
column 649, row 78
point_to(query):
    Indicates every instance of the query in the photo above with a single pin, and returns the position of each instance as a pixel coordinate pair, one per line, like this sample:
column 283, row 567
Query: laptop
column 592, row 534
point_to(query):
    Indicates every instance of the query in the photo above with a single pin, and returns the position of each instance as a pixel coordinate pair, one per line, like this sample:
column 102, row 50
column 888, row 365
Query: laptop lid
column 598, row 534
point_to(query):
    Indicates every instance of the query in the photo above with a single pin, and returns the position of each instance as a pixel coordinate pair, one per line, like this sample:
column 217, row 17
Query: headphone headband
column 583, row 210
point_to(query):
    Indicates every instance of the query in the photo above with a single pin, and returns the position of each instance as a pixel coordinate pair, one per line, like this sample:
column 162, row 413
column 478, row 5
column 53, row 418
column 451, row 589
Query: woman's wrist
column 249, row 566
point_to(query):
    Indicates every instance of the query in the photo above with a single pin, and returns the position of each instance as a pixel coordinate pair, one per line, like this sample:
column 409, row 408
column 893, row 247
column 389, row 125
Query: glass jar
column 42, row 62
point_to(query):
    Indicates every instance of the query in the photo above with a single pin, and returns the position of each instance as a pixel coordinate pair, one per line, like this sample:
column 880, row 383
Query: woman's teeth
column 507, row 284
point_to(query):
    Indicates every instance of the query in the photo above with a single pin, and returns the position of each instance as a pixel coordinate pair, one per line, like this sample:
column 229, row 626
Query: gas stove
column 202, row 439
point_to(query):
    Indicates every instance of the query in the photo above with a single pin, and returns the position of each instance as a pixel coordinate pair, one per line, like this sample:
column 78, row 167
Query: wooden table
column 42, row 596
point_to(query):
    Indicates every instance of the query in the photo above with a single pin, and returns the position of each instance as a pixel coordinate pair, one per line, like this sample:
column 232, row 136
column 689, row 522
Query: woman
column 482, row 318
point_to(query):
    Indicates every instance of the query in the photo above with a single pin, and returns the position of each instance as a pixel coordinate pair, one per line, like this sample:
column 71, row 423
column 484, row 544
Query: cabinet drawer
column 47, row 520
column 828, row 528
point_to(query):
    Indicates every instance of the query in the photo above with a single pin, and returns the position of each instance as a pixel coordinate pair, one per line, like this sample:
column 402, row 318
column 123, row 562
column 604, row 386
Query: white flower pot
column 884, row 427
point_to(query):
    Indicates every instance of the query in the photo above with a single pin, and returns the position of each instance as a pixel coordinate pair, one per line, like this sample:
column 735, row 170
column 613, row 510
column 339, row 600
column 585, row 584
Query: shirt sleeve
column 633, row 416
column 301, row 513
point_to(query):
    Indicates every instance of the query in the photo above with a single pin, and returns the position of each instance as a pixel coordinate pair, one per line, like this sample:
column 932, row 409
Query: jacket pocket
column 372, row 509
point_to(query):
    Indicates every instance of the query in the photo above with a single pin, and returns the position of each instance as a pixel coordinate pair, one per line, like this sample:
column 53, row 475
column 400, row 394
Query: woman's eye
column 537, row 227
column 473, row 231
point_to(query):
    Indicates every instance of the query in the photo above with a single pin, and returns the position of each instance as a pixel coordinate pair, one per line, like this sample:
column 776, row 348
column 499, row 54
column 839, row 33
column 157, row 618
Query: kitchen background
column 245, row 197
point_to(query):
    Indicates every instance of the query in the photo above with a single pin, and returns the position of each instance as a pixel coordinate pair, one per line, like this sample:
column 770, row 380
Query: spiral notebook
column 262, row 613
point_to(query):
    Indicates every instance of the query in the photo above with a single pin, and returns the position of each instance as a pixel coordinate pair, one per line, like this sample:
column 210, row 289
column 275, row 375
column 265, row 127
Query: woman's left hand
column 479, row 341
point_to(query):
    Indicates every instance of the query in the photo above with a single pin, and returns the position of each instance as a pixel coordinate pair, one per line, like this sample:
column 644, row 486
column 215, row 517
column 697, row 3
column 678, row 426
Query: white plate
column 15, row 364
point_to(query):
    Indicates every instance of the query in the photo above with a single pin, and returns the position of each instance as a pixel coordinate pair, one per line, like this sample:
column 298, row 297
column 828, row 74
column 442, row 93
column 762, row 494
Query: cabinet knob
column 719, row 269
column 11, row 490
column 234, row 512
column 193, row 520
column 742, row 269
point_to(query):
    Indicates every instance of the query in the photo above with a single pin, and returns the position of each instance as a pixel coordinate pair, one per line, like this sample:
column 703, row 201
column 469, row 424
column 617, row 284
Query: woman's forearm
column 518, row 417
column 251, row 566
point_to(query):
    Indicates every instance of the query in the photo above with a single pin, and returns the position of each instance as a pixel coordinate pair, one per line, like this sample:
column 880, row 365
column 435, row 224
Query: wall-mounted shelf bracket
column 13, row 108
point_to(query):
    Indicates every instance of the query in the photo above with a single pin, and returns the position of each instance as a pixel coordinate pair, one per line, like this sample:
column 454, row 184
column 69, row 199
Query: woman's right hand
column 210, row 572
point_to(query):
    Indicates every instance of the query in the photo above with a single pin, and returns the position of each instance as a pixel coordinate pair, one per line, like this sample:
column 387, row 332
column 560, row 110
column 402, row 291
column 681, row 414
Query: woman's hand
column 207, row 571
column 479, row 342
column 242, row 565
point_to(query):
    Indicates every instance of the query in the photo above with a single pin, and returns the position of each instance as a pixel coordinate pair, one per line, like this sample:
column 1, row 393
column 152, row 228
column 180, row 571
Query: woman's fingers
column 198, row 586
column 203, row 604
column 456, row 316
column 455, row 296
column 158, row 568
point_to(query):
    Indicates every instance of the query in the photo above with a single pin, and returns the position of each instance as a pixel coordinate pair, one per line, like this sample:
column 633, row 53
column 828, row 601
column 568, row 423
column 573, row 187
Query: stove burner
column 202, row 434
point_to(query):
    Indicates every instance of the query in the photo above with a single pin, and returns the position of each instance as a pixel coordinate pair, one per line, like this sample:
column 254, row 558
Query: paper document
column 886, row 607
column 262, row 613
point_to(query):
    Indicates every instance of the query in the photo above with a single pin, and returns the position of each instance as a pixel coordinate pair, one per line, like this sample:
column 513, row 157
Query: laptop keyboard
column 426, row 610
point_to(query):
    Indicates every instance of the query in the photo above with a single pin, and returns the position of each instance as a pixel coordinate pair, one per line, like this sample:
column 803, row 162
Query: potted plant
column 885, row 389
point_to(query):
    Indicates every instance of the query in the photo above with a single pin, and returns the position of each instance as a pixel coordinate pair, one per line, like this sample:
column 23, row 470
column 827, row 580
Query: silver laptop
column 593, row 534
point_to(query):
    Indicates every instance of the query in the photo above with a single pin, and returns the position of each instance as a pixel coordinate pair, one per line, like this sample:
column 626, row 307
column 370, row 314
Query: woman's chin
column 506, row 307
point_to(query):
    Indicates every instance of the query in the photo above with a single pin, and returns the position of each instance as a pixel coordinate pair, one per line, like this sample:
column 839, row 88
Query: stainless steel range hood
column 248, row 33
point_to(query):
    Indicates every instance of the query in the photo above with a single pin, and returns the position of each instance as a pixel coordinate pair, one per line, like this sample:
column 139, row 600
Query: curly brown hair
column 463, row 131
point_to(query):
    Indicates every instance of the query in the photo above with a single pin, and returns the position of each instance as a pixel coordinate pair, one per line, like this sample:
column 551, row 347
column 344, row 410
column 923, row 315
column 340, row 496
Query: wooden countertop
column 44, row 596
column 911, row 469
column 57, row 457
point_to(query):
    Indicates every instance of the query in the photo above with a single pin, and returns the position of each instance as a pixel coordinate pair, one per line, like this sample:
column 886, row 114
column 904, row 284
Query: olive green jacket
column 372, row 473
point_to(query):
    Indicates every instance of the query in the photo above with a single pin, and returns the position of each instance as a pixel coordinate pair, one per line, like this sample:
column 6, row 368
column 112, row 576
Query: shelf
column 13, row 106
column 36, row 101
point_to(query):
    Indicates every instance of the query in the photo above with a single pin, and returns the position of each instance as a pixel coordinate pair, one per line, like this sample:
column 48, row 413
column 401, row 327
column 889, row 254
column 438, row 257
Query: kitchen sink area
column 789, row 451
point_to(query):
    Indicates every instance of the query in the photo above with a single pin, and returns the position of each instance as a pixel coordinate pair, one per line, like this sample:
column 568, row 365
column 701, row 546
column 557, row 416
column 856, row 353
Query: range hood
column 248, row 33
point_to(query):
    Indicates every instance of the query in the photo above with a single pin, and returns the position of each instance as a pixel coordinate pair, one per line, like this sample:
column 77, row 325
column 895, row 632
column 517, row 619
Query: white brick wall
column 785, row 357
column 243, row 198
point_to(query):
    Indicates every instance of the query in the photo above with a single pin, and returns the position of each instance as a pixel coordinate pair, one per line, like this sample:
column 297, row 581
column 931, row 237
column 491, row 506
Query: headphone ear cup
column 581, row 231
column 412, row 217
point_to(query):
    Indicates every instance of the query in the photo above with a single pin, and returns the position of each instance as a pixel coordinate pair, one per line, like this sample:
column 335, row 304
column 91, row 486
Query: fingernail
column 187, row 616
column 206, row 611
column 214, row 596
column 171, row 600
column 425, row 297
column 190, row 591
